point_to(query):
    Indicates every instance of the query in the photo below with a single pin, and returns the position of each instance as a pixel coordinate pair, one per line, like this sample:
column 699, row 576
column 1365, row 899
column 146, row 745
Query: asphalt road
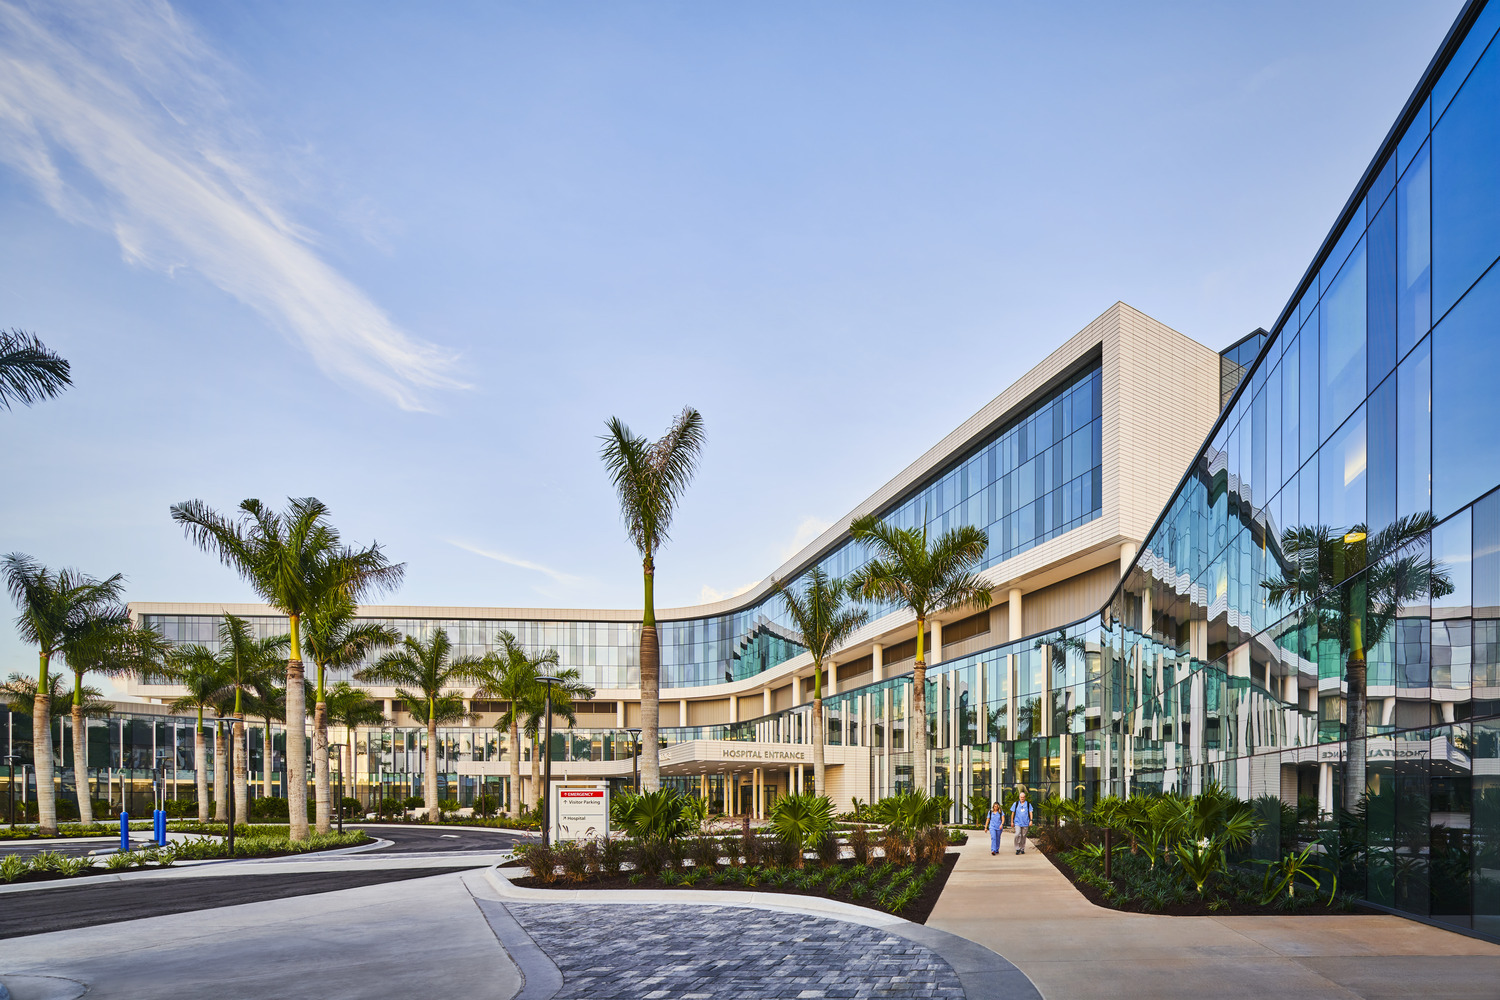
column 420, row 839
column 64, row 907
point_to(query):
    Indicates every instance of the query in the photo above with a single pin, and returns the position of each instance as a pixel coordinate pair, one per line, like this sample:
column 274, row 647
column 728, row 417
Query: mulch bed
column 917, row 911
column 1196, row 907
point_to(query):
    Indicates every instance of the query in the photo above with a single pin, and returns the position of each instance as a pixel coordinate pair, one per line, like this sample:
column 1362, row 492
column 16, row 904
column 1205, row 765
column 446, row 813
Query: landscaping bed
column 1135, row 887
column 846, row 881
column 51, row 866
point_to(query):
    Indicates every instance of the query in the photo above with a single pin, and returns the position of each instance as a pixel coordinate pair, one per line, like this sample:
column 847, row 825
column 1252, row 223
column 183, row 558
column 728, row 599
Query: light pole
column 340, row 748
column 635, row 757
column 10, row 785
column 547, row 762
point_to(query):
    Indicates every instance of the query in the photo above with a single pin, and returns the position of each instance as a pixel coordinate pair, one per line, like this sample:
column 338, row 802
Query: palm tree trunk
column 41, row 754
column 650, row 686
column 817, row 743
column 919, row 711
column 515, row 764
column 81, row 765
column 430, row 792
column 221, row 776
column 351, row 784
column 200, row 775
column 266, row 755
column 322, row 800
column 1359, row 715
column 241, row 771
column 296, row 738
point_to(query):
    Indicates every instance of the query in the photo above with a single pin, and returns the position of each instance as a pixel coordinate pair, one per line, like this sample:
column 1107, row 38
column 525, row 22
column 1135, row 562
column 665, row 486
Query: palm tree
column 19, row 695
column 650, row 478
column 29, row 371
column 249, row 664
column 819, row 611
column 294, row 561
column 335, row 639
column 421, row 672
column 59, row 611
column 350, row 707
column 196, row 669
column 113, row 651
column 510, row 675
column 1324, row 564
column 929, row 579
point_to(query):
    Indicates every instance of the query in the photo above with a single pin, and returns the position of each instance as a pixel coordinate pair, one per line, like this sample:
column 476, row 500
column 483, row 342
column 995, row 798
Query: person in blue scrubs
column 997, row 825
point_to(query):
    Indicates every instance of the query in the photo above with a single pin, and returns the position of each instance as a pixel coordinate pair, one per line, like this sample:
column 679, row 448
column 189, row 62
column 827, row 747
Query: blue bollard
column 124, row 831
column 159, row 826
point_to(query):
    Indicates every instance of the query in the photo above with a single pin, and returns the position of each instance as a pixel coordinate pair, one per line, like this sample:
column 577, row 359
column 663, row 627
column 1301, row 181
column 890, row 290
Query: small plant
column 12, row 867
column 1283, row 875
column 704, row 852
column 668, row 877
column 802, row 822
column 47, row 861
column 540, row 860
column 636, row 878
column 574, row 861
column 859, row 843
column 120, row 861
column 611, row 856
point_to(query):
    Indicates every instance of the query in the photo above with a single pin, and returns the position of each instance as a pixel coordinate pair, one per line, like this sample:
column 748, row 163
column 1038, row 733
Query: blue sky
column 409, row 258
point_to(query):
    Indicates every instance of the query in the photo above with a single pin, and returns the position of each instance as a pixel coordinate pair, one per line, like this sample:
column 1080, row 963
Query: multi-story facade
column 1277, row 570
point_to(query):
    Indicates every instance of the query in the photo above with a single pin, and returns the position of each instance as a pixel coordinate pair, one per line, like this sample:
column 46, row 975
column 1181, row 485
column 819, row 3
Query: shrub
column 579, row 859
column 120, row 861
column 704, row 852
column 448, row 805
column 388, row 807
column 485, row 804
column 909, row 812
column 612, row 855
column 895, row 846
column 352, row 807
column 859, row 843
column 649, row 857
column 413, row 802
column 540, row 860
column 269, row 808
column 802, row 822
column 658, row 815
column 830, row 850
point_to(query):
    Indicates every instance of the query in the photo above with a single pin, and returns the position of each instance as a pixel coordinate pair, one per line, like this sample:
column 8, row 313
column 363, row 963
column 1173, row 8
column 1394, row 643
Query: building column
column 734, row 708
column 682, row 715
column 766, row 695
column 1013, row 604
column 796, row 690
column 1127, row 556
column 620, row 714
column 756, row 796
column 833, row 679
column 935, row 654
column 877, row 662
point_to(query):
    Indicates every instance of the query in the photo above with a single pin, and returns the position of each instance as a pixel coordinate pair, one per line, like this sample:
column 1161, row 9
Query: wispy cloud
column 116, row 113
column 708, row 595
column 508, row 560
column 809, row 529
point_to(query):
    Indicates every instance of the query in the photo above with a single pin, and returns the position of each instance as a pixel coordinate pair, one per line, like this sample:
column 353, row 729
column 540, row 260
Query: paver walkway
column 667, row 952
column 1027, row 911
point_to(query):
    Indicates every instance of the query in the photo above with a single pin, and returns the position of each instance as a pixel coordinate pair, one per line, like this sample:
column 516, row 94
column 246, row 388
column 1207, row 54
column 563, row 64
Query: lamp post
column 635, row 757
column 10, row 785
column 548, row 680
column 340, row 748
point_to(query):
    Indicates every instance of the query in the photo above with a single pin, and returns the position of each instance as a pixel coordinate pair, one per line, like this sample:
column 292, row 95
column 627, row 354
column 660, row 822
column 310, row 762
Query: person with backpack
column 996, row 827
column 1020, row 818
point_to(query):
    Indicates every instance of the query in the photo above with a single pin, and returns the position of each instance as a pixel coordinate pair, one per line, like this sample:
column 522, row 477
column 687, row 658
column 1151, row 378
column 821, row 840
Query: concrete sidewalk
column 418, row 938
column 1026, row 910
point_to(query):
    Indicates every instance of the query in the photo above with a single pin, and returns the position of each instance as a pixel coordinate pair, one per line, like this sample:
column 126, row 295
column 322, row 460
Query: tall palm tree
column 293, row 560
column 820, row 611
column 927, row 578
column 19, row 695
column 421, row 673
column 510, row 675
column 650, row 477
column 59, row 611
column 196, row 669
column 1324, row 564
column 335, row 639
column 249, row 665
column 350, row 707
column 113, row 651
column 29, row 371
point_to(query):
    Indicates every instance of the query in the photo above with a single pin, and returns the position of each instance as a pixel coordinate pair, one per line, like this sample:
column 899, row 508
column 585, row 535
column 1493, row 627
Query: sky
column 409, row 258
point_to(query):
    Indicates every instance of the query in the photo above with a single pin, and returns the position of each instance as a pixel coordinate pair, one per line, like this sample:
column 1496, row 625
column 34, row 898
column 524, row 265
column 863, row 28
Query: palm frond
column 29, row 370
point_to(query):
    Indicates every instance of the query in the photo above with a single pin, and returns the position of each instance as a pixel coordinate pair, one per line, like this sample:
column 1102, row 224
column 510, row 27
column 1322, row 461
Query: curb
column 447, row 826
column 984, row 974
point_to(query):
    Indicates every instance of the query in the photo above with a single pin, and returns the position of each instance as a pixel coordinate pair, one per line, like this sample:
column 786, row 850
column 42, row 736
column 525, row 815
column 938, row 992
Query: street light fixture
column 635, row 757
column 340, row 748
column 548, row 680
